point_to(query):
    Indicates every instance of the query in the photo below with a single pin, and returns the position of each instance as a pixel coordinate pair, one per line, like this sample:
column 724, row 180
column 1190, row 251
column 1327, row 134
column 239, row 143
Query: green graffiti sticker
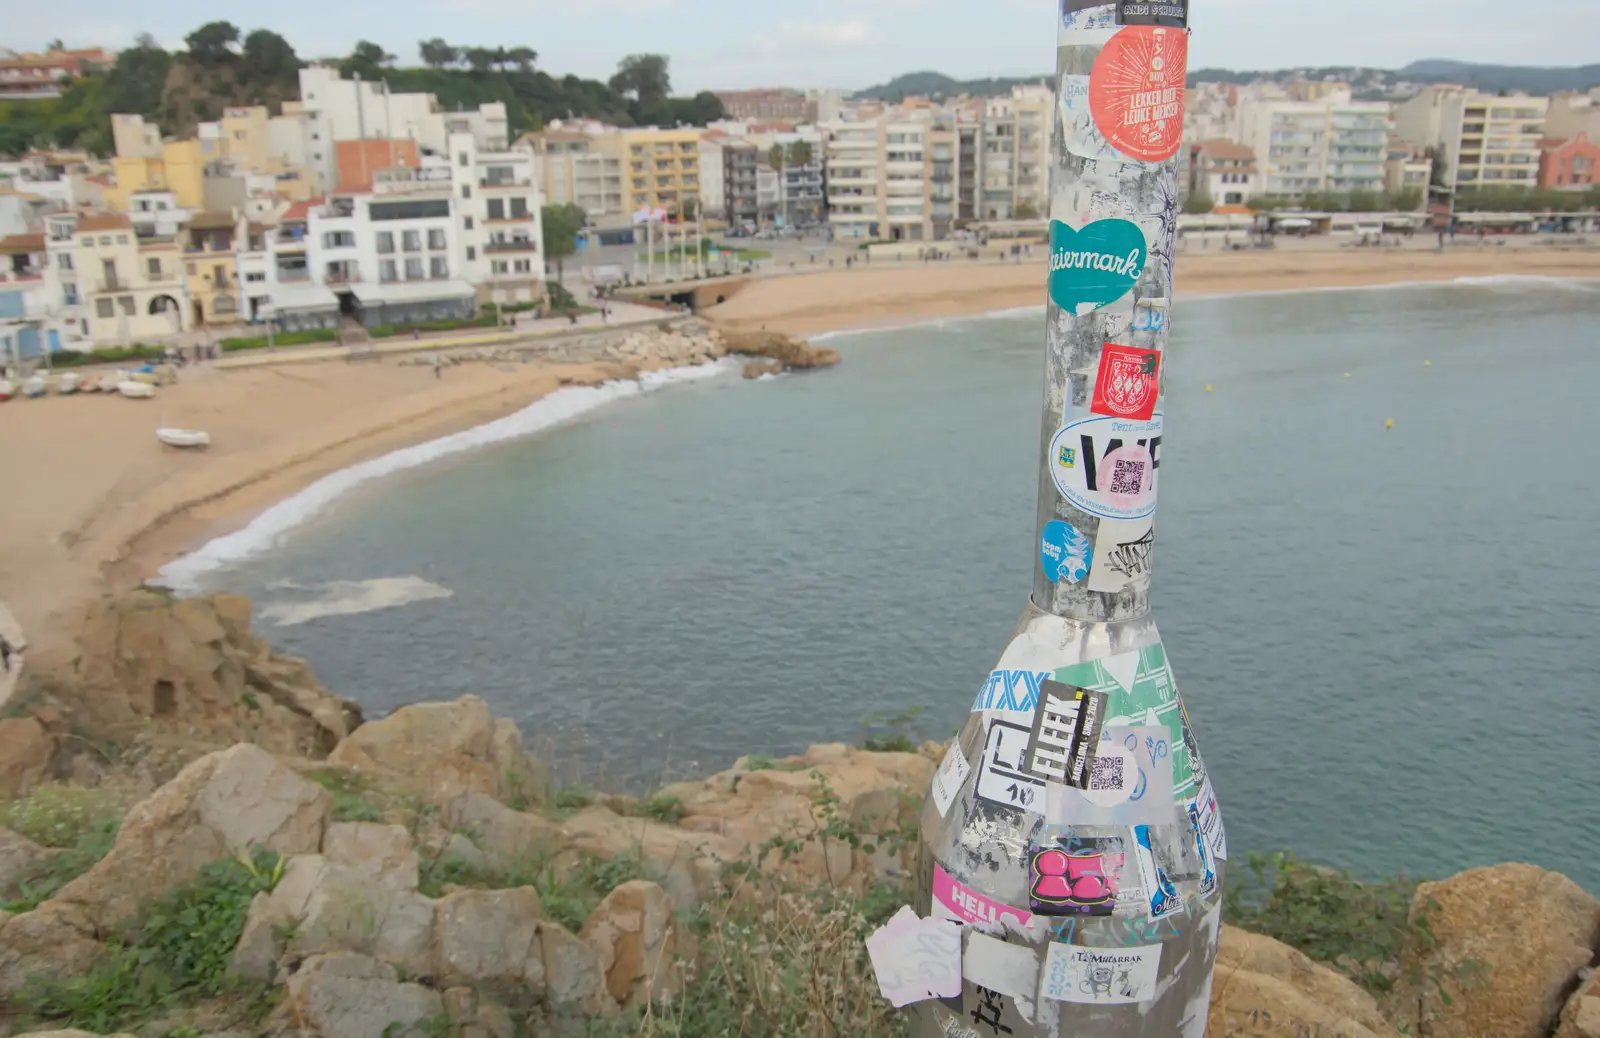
column 1095, row 266
column 1140, row 691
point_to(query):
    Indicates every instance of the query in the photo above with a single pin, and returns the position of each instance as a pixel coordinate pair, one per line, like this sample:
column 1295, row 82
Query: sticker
column 1107, row 466
column 1171, row 13
column 1208, row 873
column 1142, row 691
column 1130, row 782
column 1128, row 383
column 1063, row 552
column 1079, row 134
column 950, row 777
column 1136, row 91
column 951, row 1027
column 1122, row 551
column 1066, row 733
column 991, row 1014
column 1095, row 266
column 1011, row 692
column 1008, row 969
column 1076, row 875
column 1150, row 315
column 916, row 959
column 1164, row 899
column 1003, row 777
column 1104, row 976
column 955, row 901
column 1208, row 820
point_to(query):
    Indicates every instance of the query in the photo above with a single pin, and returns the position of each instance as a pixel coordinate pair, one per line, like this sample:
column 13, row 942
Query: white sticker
column 950, row 777
column 1102, row 976
column 1010, row 969
column 1003, row 775
column 1122, row 550
column 916, row 959
column 1108, row 466
column 1130, row 781
column 1208, row 820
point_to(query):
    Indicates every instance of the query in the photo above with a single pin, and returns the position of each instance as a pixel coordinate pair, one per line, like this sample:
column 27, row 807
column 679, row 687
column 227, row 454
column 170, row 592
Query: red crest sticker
column 1128, row 384
column 1136, row 91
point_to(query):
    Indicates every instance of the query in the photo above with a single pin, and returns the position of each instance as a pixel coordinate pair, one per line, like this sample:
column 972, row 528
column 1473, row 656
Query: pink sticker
column 1126, row 476
column 952, row 900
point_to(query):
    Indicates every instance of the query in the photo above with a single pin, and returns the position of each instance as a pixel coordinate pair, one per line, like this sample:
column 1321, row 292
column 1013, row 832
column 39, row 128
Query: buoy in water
column 1388, row 423
column 1427, row 363
column 1208, row 387
column 1347, row 374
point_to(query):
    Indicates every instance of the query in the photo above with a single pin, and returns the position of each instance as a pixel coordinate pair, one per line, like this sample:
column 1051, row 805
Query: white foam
column 267, row 529
column 352, row 597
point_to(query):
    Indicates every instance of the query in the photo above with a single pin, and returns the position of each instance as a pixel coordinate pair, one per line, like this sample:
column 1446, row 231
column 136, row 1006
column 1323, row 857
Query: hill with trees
column 221, row 66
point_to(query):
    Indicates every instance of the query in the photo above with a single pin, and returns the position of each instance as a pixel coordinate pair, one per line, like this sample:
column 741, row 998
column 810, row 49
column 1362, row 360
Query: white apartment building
column 1223, row 171
column 854, row 176
column 499, row 220
column 1570, row 114
column 1329, row 144
column 712, row 200
column 1480, row 138
column 115, row 287
column 1013, row 172
column 580, row 163
column 893, row 176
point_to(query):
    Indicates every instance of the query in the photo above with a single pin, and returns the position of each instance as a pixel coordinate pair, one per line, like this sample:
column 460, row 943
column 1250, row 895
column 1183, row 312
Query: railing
column 342, row 279
column 111, row 284
column 523, row 245
column 508, row 218
column 514, row 182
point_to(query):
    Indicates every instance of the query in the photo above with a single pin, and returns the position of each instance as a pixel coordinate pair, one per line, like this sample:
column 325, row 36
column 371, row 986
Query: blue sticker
column 1095, row 266
column 1064, row 552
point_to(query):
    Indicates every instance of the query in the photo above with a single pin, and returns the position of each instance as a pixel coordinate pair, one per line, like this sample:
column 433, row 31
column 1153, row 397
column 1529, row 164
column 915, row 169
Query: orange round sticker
column 1136, row 91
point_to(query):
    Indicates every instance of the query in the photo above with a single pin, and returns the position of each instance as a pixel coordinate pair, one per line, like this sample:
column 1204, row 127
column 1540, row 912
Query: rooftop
column 1222, row 148
column 104, row 222
column 213, row 220
column 18, row 244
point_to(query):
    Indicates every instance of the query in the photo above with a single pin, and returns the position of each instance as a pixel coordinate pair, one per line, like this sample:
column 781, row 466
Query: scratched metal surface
column 982, row 845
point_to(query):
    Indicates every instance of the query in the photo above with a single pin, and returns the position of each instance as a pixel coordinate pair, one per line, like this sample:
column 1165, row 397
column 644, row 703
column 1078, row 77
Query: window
column 438, row 267
column 436, row 238
column 87, row 242
column 66, row 261
column 466, row 223
column 413, row 268
column 125, row 303
column 153, row 265
column 472, row 253
column 497, row 209
column 498, row 266
column 385, row 241
column 466, row 191
column 105, row 239
column 189, row 269
column 339, row 239
column 104, row 307
column 255, row 276
column 462, row 159
column 122, row 239
column 70, row 294
column 438, row 208
column 522, row 266
column 411, row 241
column 386, row 270
column 519, row 207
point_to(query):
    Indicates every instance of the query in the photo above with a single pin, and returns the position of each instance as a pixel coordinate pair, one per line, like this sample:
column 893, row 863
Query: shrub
column 353, row 798
column 256, row 342
column 114, row 355
column 87, row 848
column 60, row 816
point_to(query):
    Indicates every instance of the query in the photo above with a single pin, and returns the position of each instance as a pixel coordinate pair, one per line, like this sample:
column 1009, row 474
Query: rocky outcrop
column 1581, row 1017
column 1262, row 986
column 192, row 667
column 636, row 940
column 218, row 806
column 52, row 942
column 21, row 860
column 1509, row 941
column 379, row 854
column 344, row 995
column 440, row 750
column 26, row 749
column 489, row 939
column 692, row 343
column 787, row 350
column 757, row 368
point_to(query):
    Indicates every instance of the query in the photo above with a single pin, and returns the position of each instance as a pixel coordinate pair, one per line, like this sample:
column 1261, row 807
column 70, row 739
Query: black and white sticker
column 1171, row 13
column 1066, row 731
column 1003, row 776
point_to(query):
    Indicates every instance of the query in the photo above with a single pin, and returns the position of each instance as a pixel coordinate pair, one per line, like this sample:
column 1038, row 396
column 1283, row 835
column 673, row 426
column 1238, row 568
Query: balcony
column 515, row 245
column 508, row 218
column 293, row 276
column 112, row 283
column 515, row 182
column 343, row 277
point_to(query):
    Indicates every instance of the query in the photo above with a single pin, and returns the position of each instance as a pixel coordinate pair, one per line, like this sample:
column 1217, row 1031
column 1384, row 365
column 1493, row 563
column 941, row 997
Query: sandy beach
column 94, row 503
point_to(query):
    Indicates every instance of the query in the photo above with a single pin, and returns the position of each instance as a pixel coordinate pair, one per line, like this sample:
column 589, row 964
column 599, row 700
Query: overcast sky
column 848, row 43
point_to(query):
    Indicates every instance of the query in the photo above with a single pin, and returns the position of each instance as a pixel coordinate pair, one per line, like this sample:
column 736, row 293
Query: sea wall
column 420, row 875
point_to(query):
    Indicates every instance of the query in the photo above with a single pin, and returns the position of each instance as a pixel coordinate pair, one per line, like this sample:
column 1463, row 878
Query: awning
column 306, row 295
column 370, row 293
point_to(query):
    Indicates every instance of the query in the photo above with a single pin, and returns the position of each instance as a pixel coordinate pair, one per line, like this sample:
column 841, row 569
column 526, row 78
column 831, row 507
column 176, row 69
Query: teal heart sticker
column 1097, row 265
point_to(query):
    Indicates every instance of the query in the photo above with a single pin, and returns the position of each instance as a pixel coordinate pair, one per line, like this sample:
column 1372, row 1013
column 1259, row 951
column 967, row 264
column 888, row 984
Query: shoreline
column 120, row 534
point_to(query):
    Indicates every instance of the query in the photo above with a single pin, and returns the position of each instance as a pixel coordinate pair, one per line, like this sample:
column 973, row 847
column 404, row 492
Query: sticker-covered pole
column 1071, row 832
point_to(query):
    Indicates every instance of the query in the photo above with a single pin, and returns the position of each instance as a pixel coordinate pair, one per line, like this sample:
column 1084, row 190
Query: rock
column 476, row 1016
column 688, row 864
column 21, row 861
column 503, row 834
column 192, row 667
column 789, row 351
column 572, row 971
column 489, row 939
column 441, row 750
column 635, row 940
column 26, row 749
column 336, row 909
column 221, row 804
column 1581, row 1017
column 342, row 995
column 757, row 368
column 52, row 942
column 382, row 853
column 1509, row 942
column 1265, row 987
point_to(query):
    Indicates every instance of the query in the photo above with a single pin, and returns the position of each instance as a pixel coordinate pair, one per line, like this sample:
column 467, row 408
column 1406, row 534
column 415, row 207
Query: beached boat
column 184, row 437
column 111, row 382
column 6, row 389
column 33, row 387
column 68, row 383
column 136, row 390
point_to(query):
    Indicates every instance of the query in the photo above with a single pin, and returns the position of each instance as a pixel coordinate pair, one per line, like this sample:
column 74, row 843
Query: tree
column 800, row 153
column 776, row 157
column 522, row 57
column 212, row 43
column 1405, row 200
column 269, row 57
column 438, row 54
column 136, row 83
column 479, row 58
column 700, row 110
column 644, row 79
column 54, row 45
column 1198, row 202
column 1025, row 211
column 561, row 226
column 1366, row 201
column 366, row 60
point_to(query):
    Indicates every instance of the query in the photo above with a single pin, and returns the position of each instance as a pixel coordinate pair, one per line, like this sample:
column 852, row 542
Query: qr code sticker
column 1106, row 774
column 1127, row 476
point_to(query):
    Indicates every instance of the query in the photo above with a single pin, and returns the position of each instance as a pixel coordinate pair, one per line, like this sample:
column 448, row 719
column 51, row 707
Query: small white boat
column 184, row 437
column 68, row 383
column 6, row 389
column 136, row 390
column 33, row 387
column 110, row 383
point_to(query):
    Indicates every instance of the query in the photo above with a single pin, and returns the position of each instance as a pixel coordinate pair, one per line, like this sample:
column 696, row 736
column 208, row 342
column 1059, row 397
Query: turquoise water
column 1385, row 637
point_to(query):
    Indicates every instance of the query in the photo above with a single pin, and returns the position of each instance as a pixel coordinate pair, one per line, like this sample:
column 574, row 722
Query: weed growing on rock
column 668, row 809
column 60, row 816
column 574, row 798
column 566, row 897
column 891, row 731
column 353, row 798
column 87, row 849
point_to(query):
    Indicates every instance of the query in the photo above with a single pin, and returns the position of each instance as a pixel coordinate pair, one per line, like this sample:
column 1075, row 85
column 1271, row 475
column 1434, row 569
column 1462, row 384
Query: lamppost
column 1071, row 830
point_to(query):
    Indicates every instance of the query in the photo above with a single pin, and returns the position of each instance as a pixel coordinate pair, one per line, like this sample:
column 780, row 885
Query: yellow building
column 179, row 168
column 209, row 273
column 662, row 168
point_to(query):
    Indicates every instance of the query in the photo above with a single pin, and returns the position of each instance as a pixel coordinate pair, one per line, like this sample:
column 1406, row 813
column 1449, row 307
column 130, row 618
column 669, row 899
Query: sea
column 1376, row 574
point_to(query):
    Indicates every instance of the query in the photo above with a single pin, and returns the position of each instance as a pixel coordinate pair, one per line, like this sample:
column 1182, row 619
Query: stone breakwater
column 426, row 865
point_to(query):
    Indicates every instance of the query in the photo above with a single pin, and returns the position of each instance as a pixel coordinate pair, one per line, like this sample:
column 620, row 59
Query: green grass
column 354, row 800
column 130, row 354
column 256, row 342
column 566, row 899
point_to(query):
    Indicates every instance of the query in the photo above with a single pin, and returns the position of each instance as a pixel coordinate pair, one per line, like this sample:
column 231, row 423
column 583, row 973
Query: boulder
column 440, row 750
column 192, row 667
column 489, row 939
column 52, row 942
column 503, row 834
column 21, row 860
column 1581, row 1017
column 572, row 973
column 1509, row 942
column 636, row 943
column 787, row 350
column 26, row 750
column 688, row 864
column 474, row 1015
column 334, row 908
column 221, row 804
column 757, row 368
column 343, row 995
column 1265, row 987
column 381, row 853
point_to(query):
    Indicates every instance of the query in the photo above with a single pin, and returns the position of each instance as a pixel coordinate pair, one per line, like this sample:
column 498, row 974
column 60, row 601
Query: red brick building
column 1570, row 163
column 786, row 105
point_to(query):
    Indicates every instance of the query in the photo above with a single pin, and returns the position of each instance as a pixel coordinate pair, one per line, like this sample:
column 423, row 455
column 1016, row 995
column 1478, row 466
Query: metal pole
column 1072, row 828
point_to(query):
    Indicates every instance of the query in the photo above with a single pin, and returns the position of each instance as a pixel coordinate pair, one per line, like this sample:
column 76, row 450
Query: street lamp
column 1071, row 830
